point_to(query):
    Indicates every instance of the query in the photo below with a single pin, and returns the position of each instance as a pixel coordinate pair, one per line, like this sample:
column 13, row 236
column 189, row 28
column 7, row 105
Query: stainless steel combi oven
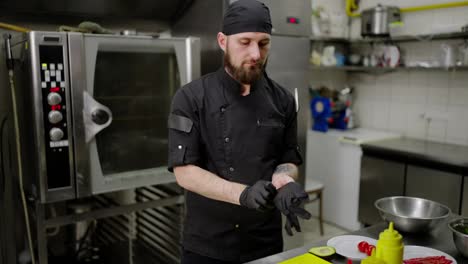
column 93, row 110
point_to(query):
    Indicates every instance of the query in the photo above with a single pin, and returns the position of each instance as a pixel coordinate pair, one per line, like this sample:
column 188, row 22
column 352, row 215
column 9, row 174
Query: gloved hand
column 290, row 200
column 292, row 220
column 258, row 196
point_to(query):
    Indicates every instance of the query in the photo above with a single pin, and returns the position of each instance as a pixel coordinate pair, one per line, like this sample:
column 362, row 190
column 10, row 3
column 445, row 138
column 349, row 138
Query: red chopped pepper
column 428, row 260
column 369, row 250
column 362, row 246
column 365, row 247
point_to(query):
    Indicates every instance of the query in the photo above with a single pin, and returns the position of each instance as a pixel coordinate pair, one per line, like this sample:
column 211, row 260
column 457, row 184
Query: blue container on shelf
column 321, row 110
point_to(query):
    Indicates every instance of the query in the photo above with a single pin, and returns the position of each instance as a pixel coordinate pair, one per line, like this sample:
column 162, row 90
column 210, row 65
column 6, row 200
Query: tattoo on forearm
column 284, row 168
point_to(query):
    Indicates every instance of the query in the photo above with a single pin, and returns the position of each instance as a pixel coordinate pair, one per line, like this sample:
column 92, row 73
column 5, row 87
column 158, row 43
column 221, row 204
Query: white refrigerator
column 334, row 158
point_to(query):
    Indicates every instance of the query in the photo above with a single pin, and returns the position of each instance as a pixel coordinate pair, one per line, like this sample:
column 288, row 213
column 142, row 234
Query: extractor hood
column 165, row 11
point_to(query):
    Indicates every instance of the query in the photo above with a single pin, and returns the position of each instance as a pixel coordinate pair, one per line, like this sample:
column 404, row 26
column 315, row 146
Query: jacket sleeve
column 291, row 152
column 183, row 130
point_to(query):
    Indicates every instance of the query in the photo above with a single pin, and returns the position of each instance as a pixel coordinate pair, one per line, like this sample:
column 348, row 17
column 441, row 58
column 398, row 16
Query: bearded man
column 233, row 148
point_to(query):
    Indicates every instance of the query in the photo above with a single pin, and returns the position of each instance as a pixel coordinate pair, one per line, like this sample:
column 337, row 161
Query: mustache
column 258, row 63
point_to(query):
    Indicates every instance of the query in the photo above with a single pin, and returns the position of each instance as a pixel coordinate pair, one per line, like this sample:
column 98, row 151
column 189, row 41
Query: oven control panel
column 54, row 105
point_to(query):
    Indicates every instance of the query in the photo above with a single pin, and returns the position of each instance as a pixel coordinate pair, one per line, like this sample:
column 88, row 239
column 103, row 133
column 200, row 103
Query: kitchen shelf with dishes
column 387, row 69
column 402, row 38
column 390, row 58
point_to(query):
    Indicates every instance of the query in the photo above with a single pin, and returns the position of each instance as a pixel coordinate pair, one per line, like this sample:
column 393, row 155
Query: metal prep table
column 413, row 167
column 440, row 239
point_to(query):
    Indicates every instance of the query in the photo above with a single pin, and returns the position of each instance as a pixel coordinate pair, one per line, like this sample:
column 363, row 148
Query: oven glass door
column 129, row 86
column 137, row 88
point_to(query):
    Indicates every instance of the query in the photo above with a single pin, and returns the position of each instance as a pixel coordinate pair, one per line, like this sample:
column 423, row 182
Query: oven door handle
column 96, row 116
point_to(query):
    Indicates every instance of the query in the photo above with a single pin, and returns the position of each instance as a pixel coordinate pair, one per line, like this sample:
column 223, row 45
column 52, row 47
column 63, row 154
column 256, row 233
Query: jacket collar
column 232, row 88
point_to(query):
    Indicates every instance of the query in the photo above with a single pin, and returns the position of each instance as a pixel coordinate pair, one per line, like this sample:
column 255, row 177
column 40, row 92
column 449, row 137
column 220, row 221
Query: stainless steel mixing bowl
column 459, row 228
column 411, row 214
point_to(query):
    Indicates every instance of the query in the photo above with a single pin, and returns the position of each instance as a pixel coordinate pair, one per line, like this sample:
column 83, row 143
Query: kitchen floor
column 310, row 232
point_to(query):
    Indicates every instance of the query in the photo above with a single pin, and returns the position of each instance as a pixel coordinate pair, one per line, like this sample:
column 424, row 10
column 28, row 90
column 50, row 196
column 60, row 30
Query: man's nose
column 255, row 52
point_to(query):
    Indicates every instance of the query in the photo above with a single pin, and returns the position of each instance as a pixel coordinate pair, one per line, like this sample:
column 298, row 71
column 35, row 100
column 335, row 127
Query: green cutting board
column 306, row 258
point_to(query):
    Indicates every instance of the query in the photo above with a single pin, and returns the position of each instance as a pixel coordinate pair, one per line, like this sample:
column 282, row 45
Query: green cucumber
column 322, row 251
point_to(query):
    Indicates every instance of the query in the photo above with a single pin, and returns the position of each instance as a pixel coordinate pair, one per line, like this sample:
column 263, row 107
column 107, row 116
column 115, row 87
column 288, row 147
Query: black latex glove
column 292, row 220
column 290, row 200
column 258, row 196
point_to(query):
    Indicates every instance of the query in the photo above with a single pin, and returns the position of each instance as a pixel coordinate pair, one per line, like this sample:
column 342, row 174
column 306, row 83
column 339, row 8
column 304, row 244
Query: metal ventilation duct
column 164, row 11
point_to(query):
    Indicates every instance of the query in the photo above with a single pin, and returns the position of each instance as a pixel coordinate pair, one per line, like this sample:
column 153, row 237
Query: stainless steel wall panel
column 204, row 20
column 438, row 186
column 298, row 11
column 379, row 178
column 288, row 66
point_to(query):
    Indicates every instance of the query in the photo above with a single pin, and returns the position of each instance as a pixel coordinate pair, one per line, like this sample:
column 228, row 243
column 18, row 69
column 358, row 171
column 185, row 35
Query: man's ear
column 222, row 41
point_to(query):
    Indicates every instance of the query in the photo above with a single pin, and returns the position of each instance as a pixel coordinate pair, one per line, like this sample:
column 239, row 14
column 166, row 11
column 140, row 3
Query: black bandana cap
column 247, row 16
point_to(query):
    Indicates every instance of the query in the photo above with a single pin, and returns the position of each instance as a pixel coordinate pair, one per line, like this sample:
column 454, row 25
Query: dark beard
column 243, row 75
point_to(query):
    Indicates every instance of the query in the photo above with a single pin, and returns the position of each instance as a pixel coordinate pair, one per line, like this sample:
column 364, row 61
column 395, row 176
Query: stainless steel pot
column 376, row 21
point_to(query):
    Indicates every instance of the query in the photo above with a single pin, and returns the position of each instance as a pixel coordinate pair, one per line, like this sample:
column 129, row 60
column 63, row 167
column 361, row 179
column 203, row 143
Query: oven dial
column 56, row 134
column 55, row 117
column 54, row 99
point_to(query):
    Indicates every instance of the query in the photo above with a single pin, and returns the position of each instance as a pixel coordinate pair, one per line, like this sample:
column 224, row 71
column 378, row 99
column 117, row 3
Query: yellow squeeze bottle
column 372, row 259
column 390, row 246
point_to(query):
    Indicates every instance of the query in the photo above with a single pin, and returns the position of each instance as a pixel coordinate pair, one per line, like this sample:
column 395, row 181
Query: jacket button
column 226, row 139
column 237, row 225
column 231, row 169
column 179, row 147
column 223, row 109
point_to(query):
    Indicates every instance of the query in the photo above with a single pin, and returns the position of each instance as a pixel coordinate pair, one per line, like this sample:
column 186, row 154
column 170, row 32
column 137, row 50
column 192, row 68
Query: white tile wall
column 422, row 104
column 417, row 88
column 438, row 89
column 400, row 86
column 431, row 104
column 416, row 125
column 416, row 52
column 457, row 126
column 364, row 114
column 380, row 115
column 398, row 119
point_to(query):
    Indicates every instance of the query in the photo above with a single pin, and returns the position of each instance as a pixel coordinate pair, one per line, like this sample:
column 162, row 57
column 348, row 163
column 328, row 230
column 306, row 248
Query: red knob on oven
column 54, row 99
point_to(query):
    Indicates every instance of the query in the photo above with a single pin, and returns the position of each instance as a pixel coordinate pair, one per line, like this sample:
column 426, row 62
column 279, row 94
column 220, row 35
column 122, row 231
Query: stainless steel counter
column 440, row 239
column 412, row 167
column 436, row 155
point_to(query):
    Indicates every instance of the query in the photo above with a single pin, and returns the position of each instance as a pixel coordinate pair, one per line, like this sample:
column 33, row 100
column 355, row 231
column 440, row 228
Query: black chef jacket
column 241, row 139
